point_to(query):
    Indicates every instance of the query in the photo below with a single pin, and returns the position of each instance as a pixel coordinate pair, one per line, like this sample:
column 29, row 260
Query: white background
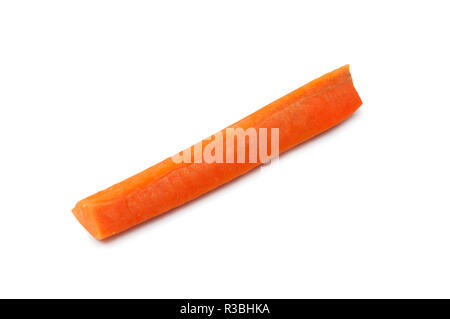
column 92, row 92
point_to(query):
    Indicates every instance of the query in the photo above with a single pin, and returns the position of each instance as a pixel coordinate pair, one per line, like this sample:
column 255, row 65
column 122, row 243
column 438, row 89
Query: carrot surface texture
column 287, row 122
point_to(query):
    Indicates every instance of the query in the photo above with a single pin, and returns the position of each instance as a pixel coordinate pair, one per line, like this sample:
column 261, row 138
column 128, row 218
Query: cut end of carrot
column 84, row 215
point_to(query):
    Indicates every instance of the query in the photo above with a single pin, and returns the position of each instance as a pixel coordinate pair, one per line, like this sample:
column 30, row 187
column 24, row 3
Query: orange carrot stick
column 300, row 115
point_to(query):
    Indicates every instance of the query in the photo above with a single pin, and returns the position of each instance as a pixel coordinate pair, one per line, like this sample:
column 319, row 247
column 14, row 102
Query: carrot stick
column 298, row 116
